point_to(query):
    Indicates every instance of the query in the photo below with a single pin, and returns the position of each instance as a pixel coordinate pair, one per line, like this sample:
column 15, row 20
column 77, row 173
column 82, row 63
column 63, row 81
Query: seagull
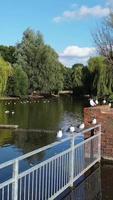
column 104, row 101
column 7, row 111
column 59, row 133
column 96, row 101
column 110, row 104
column 81, row 126
column 72, row 129
column 92, row 103
column 94, row 121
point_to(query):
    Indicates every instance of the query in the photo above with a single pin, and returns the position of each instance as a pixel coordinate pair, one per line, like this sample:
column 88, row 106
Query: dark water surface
column 50, row 114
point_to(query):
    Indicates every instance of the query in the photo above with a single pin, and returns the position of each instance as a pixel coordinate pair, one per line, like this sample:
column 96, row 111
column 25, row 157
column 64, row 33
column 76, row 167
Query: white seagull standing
column 81, row 126
column 72, row 129
column 92, row 103
column 94, row 121
column 59, row 133
column 96, row 101
column 104, row 101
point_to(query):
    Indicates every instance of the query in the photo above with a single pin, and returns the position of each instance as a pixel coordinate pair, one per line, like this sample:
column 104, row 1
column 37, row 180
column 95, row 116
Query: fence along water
column 49, row 178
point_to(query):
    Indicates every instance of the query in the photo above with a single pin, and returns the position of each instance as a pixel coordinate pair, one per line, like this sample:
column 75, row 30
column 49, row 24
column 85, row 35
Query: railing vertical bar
column 25, row 188
column 3, row 194
column 46, row 185
column 36, row 188
column 39, row 183
column 32, row 184
column 28, row 186
column 54, row 177
column 8, row 192
column 62, row 171
column 20, row 189
column 43, row 167
column 59, row 172
column 48, row 195
column 15, row 184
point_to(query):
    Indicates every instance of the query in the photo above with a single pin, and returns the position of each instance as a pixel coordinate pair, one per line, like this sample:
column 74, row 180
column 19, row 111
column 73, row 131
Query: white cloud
column 79, row 52
column 82, row 12
column 74, row 54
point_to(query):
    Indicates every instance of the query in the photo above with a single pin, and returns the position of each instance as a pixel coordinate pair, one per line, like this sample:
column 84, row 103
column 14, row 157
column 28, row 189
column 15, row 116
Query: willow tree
column 77, row 80
column 101, row 76
column 5, row 72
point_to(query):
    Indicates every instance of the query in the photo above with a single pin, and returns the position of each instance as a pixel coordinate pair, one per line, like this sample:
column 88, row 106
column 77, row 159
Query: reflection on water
column 89, row 189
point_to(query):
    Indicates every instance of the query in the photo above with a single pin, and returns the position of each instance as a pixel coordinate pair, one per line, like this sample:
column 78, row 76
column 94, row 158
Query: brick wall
column 104, row 115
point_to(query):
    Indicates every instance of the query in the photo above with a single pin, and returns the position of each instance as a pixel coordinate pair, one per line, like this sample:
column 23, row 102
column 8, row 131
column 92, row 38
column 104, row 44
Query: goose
column 92, row 103
column 7, row 111
column 72, row 129
column 94, row 121
column 81, row 126
column 59, row 133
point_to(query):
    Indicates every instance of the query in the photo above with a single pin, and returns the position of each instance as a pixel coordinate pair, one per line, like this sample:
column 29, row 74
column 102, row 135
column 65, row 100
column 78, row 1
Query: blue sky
column 65, row 24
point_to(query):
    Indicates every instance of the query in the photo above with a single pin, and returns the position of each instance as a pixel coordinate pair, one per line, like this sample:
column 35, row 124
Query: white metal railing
column 49, row 178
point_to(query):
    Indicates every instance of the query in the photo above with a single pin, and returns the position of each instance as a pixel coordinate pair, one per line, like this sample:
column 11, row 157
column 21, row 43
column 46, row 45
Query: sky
column 67, row 25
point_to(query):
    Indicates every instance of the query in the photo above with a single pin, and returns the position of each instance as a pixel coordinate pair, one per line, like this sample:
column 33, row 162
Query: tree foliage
column 40, row 62
column 18, row 83
column 5, row 72
column 8, row 53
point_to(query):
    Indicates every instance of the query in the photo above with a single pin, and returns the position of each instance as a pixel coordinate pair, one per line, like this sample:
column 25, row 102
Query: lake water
column 49, row 114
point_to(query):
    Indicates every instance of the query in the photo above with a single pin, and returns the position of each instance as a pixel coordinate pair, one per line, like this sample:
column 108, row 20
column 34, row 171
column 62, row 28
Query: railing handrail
column 11, row 162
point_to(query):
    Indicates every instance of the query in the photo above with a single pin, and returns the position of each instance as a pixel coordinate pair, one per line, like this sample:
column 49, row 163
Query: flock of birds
column 73, row 129
column 22, row 102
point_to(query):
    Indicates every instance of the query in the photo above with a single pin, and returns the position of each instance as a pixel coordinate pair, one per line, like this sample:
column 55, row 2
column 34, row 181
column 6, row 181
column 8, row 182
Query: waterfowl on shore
column 109, row 104
column 59, row 133
column 94, row 121
column 92, row 103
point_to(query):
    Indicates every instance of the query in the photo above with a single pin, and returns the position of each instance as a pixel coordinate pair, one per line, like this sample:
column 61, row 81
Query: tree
column 18, row 83
column 68, row 78
column 5, row 72
column 40, row 62
column 103, row 38
column 77, row 80
column 101, row 76
column 8, row 53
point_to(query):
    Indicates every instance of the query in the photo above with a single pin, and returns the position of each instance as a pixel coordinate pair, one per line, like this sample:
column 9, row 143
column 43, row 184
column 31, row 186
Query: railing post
column 15, row 184
column 99, row 143
column 72, row 161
